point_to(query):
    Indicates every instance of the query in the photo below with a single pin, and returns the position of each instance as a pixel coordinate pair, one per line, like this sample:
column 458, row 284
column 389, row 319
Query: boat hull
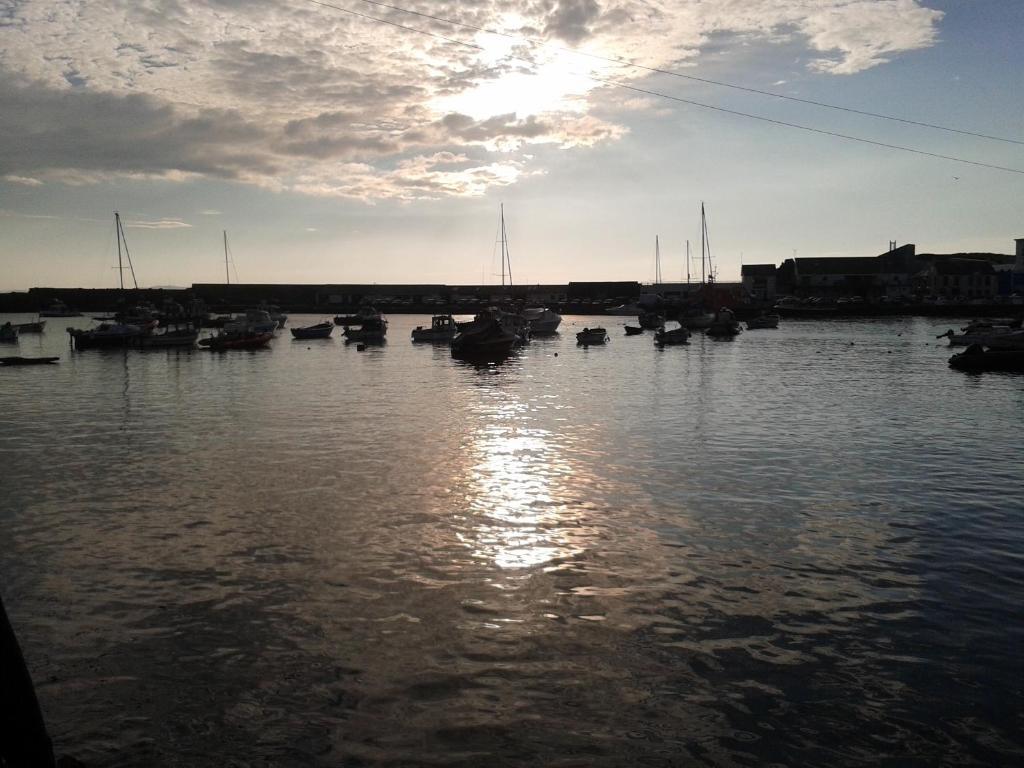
column 221, row 343
column 321, row 331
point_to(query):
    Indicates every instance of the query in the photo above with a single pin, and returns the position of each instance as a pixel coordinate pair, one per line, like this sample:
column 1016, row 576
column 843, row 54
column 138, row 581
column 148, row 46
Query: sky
column 333, row 147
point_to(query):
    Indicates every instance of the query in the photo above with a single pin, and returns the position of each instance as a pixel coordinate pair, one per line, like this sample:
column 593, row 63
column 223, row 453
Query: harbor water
column 801, row 547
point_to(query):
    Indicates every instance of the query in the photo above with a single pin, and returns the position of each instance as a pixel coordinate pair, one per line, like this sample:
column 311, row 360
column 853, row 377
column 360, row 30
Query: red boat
column 237, row 341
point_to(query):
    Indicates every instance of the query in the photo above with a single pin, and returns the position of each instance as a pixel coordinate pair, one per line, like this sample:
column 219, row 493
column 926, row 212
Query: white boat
column 254, row 322
column 543, row 321
column 763, row 321
column 442, row 328
column 680, row 335
column 590, row 336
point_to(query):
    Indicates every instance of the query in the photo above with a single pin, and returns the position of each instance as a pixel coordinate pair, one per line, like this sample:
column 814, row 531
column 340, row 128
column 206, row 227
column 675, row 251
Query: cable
column 679, row 99
column 695, row 78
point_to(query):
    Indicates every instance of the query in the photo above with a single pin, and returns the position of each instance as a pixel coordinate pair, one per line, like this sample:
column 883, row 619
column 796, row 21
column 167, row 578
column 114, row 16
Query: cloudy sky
column 338, row 148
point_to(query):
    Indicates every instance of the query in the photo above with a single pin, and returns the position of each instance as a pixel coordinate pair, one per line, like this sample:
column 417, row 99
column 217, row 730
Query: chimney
column 1018, row 265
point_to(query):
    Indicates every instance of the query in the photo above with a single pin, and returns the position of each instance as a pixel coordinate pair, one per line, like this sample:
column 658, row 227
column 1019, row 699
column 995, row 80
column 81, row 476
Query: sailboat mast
column 687, row 262
column 506, row 258
column 703, row 230
column 117, row 234
column 657, row 261
column 227, row 273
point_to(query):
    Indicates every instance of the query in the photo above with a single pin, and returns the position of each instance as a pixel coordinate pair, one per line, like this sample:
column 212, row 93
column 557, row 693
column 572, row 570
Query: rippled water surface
column 802, row 547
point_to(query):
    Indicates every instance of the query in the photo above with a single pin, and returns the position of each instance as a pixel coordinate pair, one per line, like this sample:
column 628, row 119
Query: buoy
column 556, row 354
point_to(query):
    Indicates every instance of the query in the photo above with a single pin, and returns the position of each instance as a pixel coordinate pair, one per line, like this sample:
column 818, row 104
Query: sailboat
column 120, row 333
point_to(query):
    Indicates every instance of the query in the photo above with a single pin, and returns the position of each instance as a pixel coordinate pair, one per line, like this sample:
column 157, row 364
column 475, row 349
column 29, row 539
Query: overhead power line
column 677, row 99
column 695, row 78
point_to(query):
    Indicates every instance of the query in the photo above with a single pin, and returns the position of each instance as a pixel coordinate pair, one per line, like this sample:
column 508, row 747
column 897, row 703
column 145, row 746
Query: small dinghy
column 28, row 360
column 680, row 335
column 318, row 331
column 237, row 341
column 590, row 336
column 633, row 330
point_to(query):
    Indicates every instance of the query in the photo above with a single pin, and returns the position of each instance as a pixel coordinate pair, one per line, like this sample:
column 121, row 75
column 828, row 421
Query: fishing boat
column 372, row 329
column 665, row 338
column 486, row 336
column 724, row 325
column 59, row 309
column 976, row 333
column 633, row 330
column 8, row 333
column 36, row 327
column 442, row 328
column 590, row 336
column 975, row 358
column 365, row 313
column 28, row 360
column 230, row 340
column 319, row 331
column 543, row 321
column 763, row 321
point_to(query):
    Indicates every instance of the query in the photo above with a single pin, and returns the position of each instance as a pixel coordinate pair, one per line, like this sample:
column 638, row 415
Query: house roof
column 839, row 265
column 765, row 270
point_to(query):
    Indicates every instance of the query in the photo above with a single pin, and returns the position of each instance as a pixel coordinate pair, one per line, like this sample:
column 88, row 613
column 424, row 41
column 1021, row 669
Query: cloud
column 24, row 180
column 303, row 98
column 158, row 224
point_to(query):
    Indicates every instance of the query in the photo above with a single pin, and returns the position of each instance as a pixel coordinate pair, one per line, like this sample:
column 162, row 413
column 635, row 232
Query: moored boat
column 442, row 328
column 589, row 336
column 651, row 321
column 175, row 335
column 634, row 330
column 975, row 358
column 253, row 323
column 372, row 329
column 724, row 325
column 680, row 335
column 108, row 336
column 318, row 331
column 543, row 321
column 230, row 340
column 36, row 327
column 486, row 336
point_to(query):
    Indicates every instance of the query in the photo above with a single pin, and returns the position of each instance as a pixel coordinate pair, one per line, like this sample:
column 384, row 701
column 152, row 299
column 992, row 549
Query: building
column 759, row 281
column 958, row 279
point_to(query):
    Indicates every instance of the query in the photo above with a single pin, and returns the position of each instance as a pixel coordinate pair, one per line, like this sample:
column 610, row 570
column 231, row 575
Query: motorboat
column 976, row 333
column 975, row 358
column 590, row 336
column 486, row 336
column 254, row 322
column 724, row 325
column 543, row 321
column 276, row 314
column 8, row 333
column 651, row 321
column 697, row 321
column 108, row 336
column 680, row 335
column 175, row 335
column 230, row 340
column 365, row 314
column 633, row 330
column 319, row 331
column 763, row 321
column 442, row 328
column 28, row 360
column 59, row 309
column 36, row 327
column 1014, row 340
column 372, row 329
column 517, row 324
